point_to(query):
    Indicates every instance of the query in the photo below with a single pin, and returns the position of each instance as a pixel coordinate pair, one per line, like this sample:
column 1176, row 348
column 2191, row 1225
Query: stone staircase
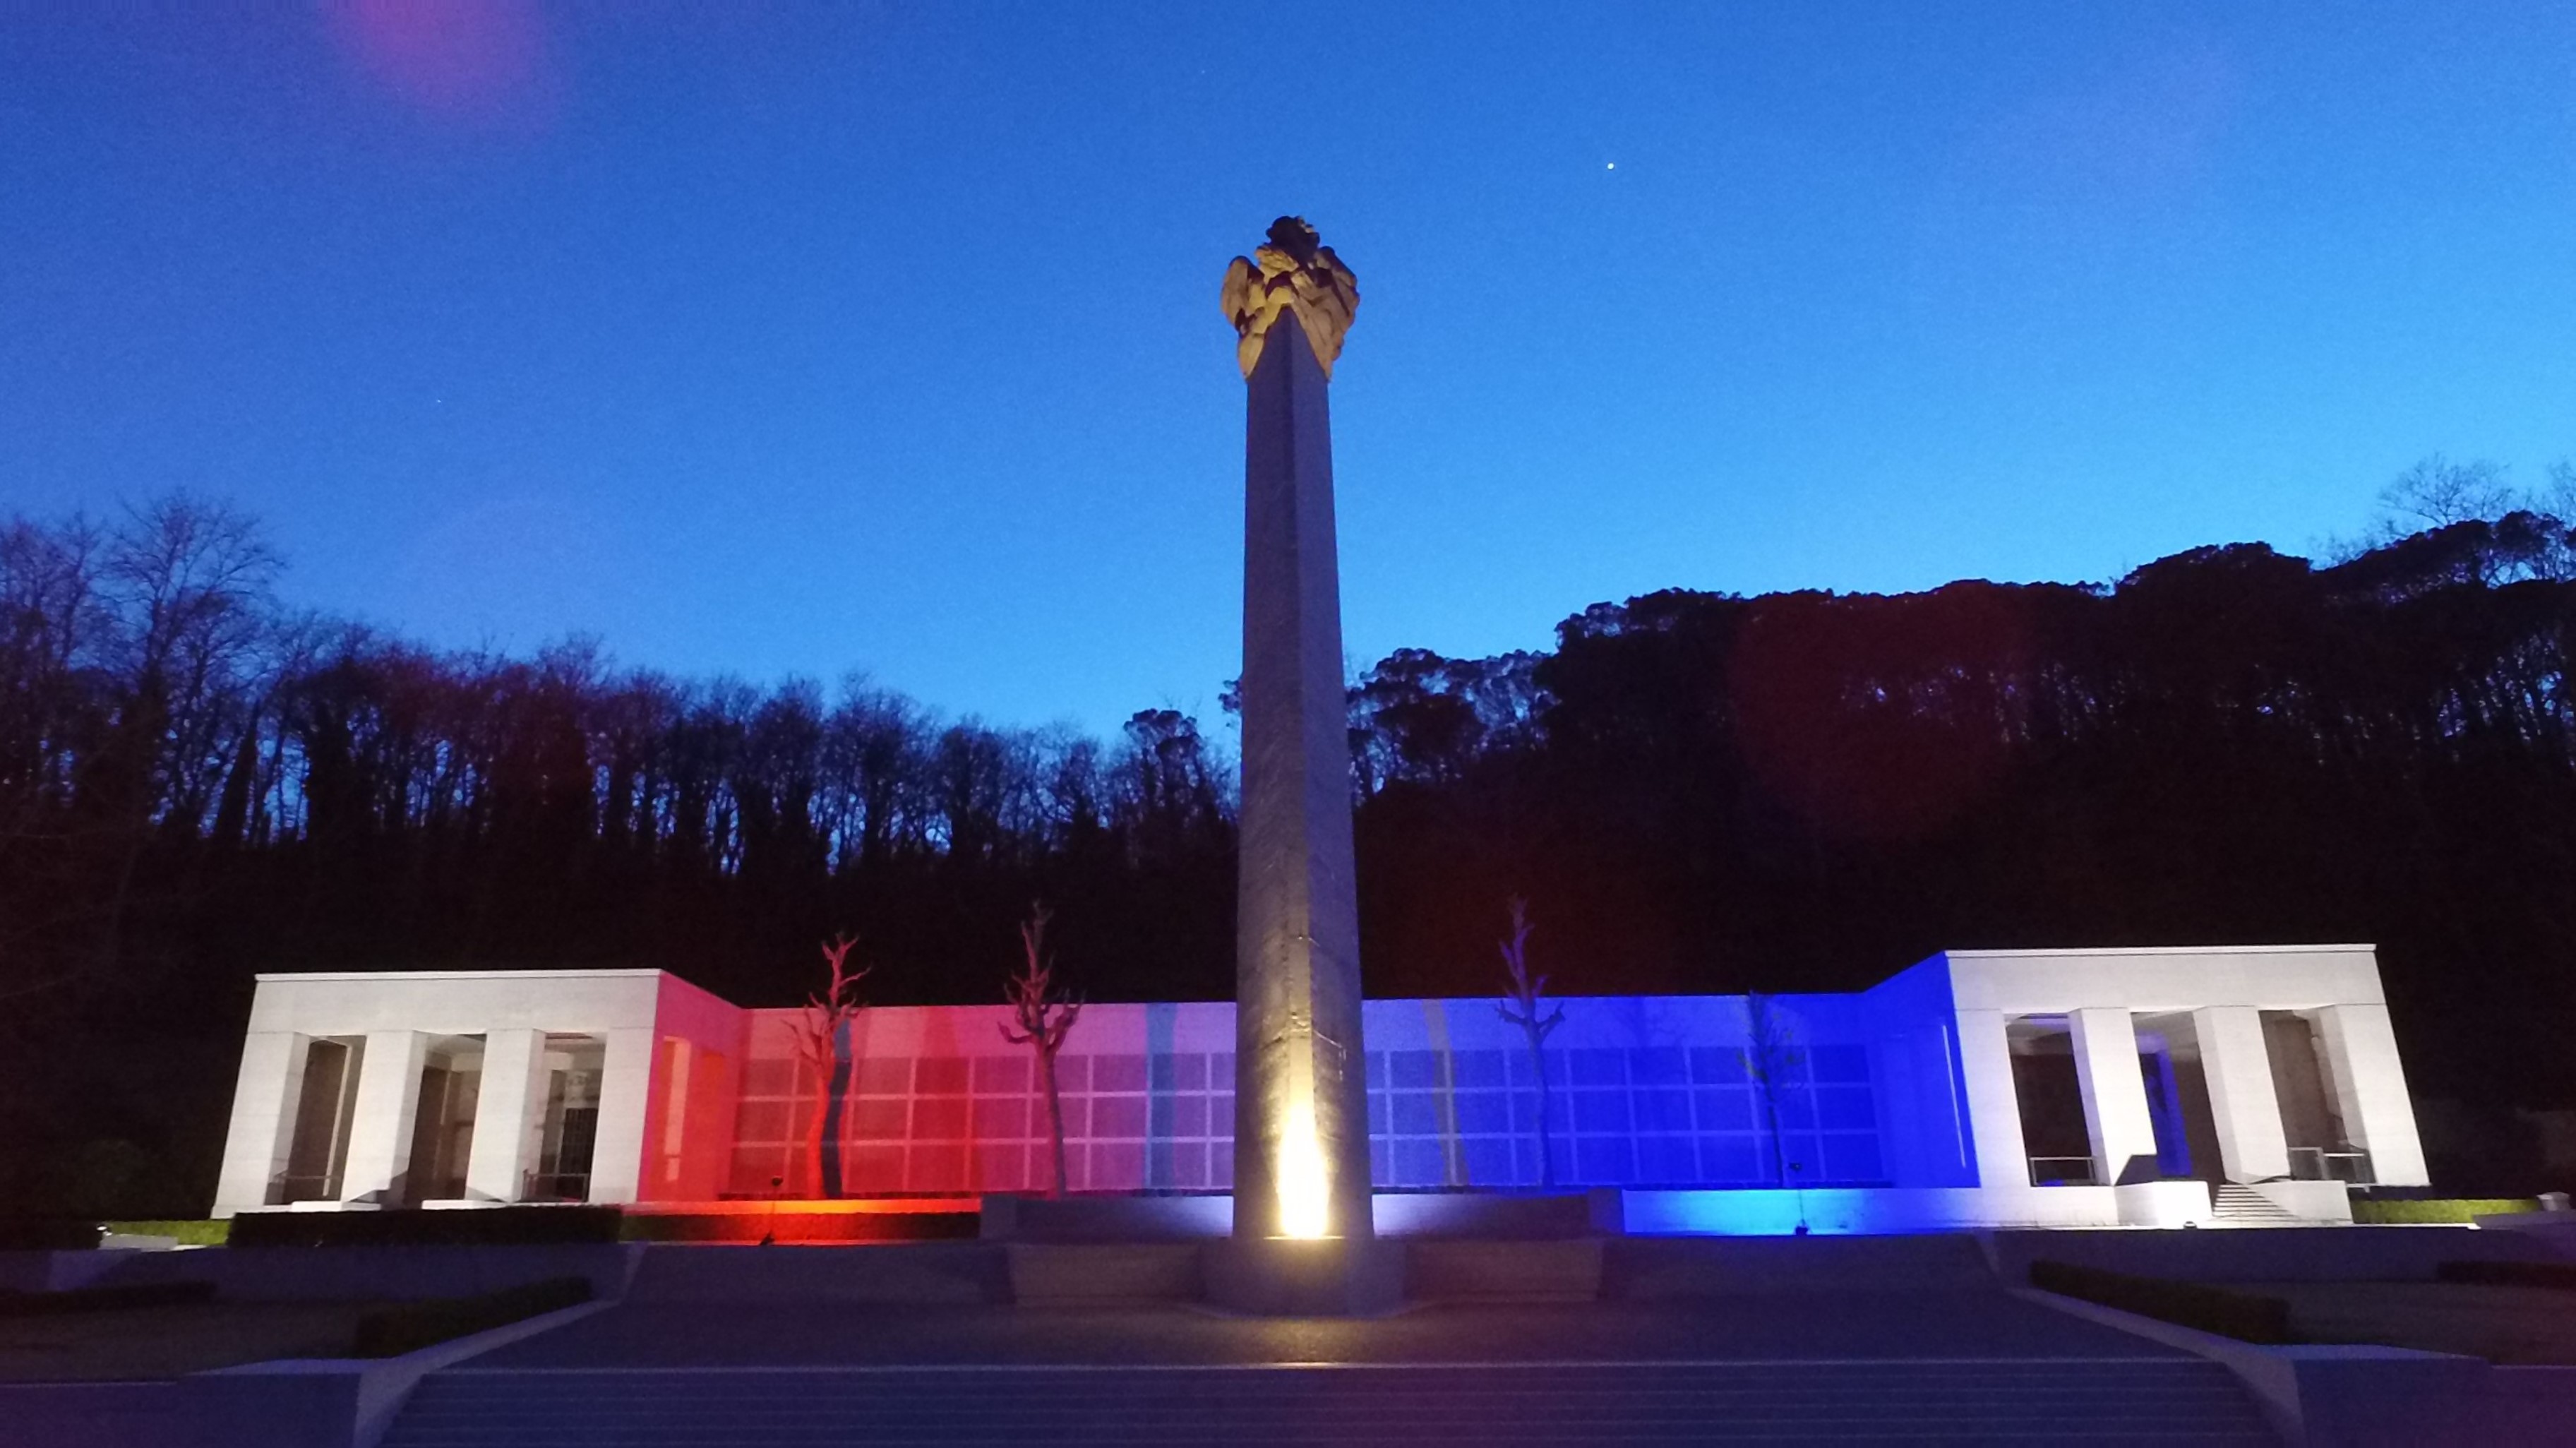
column 2065, row 1400
column 2236, row 1205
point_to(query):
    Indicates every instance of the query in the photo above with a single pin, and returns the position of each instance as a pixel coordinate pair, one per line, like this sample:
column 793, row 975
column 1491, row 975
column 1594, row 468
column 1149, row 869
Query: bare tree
column 2437, row 492
column 132, row 656
column 1042, row 1016
column 1774, row 1059
column 1526, row 1006
column 820, row 1027
column 53, row 705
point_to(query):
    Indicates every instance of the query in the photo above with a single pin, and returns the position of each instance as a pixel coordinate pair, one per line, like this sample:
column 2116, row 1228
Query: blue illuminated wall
column 1655, row 1092
column 1926, row 1131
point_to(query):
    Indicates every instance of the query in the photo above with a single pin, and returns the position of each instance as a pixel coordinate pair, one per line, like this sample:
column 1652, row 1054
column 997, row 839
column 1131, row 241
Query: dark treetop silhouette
column 1697, row 791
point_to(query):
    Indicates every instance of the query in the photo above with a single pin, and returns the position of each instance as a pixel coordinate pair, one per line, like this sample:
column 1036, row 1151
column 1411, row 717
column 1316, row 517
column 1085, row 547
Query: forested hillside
column 1697, row 792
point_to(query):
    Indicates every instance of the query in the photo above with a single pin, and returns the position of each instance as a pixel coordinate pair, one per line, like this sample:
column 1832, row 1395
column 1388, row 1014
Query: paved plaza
column 1774, row 1328
column 1823, row 1342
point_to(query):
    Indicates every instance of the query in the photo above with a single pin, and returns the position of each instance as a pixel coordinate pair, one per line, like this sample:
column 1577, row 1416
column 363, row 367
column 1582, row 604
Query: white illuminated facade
column 2086, row 1087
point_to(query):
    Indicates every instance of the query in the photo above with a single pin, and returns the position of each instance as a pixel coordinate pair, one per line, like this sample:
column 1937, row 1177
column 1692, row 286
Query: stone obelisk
column 1301, row 1144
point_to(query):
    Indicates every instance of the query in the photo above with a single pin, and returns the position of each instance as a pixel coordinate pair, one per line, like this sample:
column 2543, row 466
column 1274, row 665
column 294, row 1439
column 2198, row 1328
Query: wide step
column 2244, row 1206
column 2035, row 1401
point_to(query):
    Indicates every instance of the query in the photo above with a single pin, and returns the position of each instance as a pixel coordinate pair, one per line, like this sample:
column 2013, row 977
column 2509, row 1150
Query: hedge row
column 2509, row 1274
column 2244, row 1316
column 483, row 1227
column 393, row 1331
column 2386, row 1212
column 41, row 1234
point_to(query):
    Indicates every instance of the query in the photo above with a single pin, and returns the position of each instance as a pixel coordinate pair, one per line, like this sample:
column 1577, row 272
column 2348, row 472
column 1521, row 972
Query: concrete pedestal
column 1310, row 1277
column 1103, row 1219
column 1070, row 1274
column 1552, row 1270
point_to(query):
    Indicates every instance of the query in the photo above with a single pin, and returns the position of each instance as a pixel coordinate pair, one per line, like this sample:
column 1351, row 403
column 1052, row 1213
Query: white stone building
column 2084, row 1087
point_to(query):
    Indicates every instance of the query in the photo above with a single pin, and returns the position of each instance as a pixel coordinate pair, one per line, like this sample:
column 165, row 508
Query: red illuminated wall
column 939, row 1102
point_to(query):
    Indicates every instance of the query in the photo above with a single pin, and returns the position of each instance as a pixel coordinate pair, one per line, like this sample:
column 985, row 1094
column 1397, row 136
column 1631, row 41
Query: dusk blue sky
column 773, row 340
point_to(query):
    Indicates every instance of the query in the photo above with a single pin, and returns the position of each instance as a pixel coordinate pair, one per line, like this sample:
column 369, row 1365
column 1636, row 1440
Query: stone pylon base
column 1288, row 1277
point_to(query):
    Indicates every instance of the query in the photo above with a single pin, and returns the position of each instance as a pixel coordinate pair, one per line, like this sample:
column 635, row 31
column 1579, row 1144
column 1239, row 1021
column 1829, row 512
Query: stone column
column 2115, row 1090
column 1301, row 1154
column 625, row 1091
column 2242, row 1104
column 508, row 1116
column 380, row 1124
column 1994, row 1106
column 2370, row 1092
column 263, row 1120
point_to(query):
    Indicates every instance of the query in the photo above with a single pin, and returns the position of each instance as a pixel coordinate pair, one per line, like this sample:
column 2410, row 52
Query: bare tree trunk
column 1546, row 1155
column 823, row 1044
column 1526, row 1007
column 1779, row 1143
column 1055, row 1119
column 1041, row 1017
column 814, row 1134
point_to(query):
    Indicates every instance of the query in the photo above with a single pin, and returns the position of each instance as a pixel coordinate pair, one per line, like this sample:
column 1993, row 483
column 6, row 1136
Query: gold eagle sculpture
column 1292, row 274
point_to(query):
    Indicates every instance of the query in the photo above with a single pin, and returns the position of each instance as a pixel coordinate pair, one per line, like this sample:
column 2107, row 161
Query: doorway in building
column 2178, row 1097
column 2312, row 1124
column 442, row 1131
column 570, row 1131
column 326, row 1101
column 2054, row 1136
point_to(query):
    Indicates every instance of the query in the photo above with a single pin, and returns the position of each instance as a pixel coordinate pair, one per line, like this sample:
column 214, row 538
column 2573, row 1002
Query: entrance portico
column 396, row 1088
column 2249, row 1066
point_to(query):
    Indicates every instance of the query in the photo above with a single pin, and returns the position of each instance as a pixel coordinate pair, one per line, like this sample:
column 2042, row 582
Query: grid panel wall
column 940, row 1124
column 1647, row 1117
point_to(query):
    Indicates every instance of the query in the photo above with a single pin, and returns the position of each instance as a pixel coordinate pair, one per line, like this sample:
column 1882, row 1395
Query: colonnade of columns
column 509, row 1117
column 2368, row 1084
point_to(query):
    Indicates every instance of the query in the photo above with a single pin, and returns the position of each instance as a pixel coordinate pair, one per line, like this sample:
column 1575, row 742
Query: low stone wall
column 951, row 1273
column 101, row 1415
column 59, row 1271
column 1647, row 1267
column 1561, row 1270
column 2314, row 1201
column 2361, row 1396
column 342, row 1274
column 1077, row 1274
column 2554, row 1230
column 2274, row 1254
column 291, row 1403
column 1106, row 1218
column 1199, row 1217
column 1855, row 1210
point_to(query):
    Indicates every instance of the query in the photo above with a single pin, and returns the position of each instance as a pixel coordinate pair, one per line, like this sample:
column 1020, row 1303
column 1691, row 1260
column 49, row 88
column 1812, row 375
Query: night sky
column 774, row 340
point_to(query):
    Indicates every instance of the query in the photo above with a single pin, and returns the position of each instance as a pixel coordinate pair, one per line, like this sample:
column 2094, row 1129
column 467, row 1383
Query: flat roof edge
column 2345, row 946
column 621, row 973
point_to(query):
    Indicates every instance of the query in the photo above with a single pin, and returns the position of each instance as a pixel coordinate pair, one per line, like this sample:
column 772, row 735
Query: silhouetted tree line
column 1694, row 792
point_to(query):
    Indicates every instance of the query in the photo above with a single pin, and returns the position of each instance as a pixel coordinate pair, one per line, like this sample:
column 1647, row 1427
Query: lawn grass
column 189, row 1233
column 2436, row 1211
